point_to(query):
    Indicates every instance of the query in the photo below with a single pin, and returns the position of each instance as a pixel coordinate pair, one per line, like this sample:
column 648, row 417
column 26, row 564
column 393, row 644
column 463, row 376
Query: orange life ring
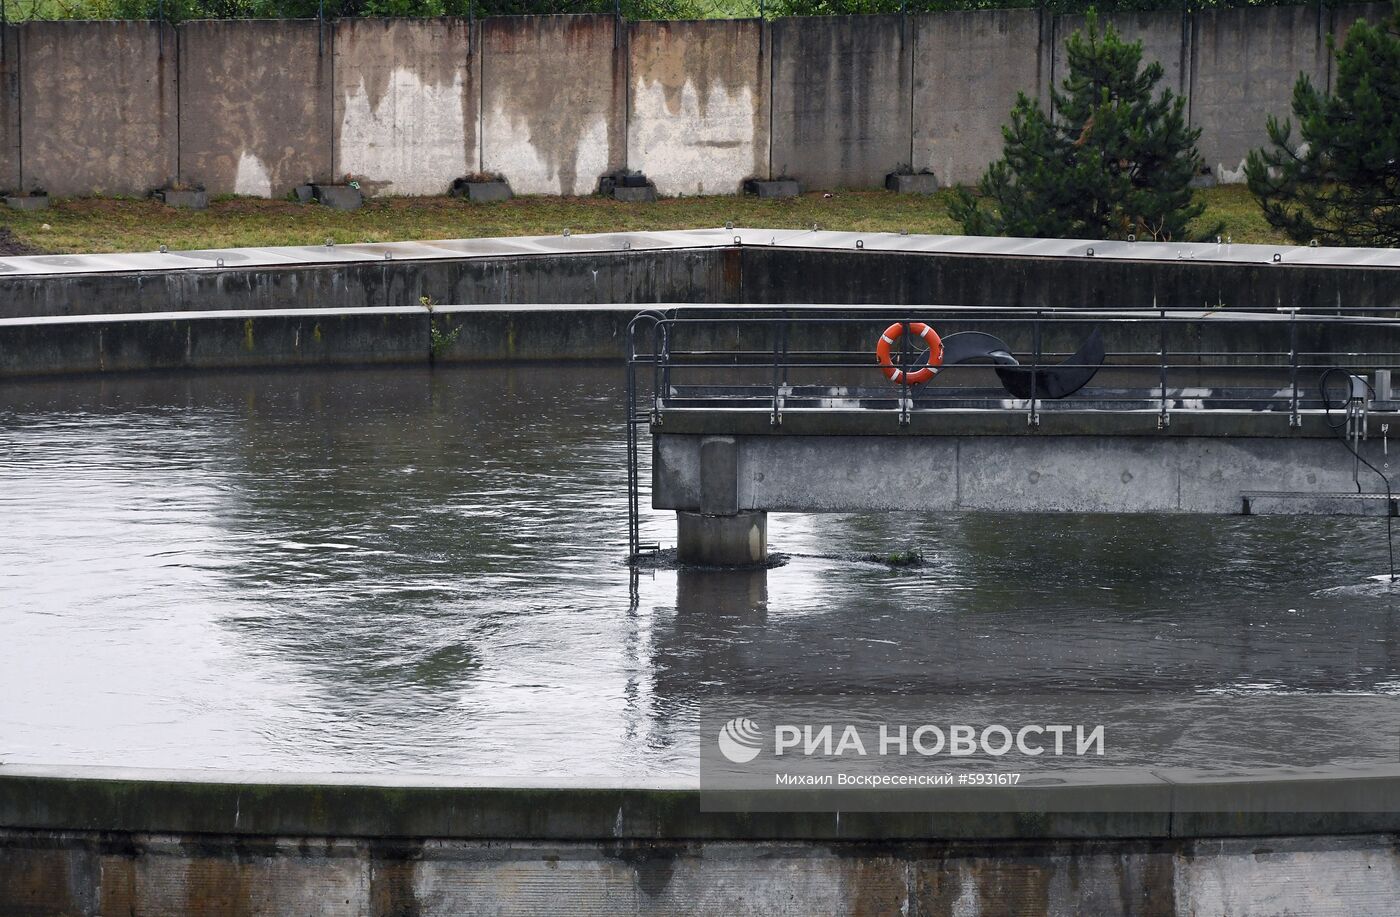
column 922, row 374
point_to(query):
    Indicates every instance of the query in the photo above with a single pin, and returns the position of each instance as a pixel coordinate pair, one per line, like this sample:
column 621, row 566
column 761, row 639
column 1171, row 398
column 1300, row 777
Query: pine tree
column 1341, row 184
column 1113, row 161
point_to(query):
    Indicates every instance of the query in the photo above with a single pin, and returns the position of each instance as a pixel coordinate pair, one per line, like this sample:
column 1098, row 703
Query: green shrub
column 1341, row 184
column 1113, row 161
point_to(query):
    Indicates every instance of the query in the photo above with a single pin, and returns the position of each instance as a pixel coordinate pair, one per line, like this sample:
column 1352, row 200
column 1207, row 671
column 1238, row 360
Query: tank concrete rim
column 1167, row 803
column 676, row 240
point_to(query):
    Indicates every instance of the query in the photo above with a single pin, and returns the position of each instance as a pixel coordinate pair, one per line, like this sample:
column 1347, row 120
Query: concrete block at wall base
column 485, row 192
column 28, row 202
column 639, row 195
column 305, row 194
column 781, row 187
column 921, row 183
column 188, row 200
column 339, row 197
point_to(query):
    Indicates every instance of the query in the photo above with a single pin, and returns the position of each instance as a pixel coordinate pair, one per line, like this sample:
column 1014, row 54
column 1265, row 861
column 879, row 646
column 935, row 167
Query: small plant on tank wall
column 439, row 339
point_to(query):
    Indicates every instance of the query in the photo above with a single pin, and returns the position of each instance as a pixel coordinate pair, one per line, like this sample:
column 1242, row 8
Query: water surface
column 416, row 571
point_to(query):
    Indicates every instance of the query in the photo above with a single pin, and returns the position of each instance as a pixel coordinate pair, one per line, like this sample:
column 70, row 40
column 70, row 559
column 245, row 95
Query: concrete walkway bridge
column 759, row 409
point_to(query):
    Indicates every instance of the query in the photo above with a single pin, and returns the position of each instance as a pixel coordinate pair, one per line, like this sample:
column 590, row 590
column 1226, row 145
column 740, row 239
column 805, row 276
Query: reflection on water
column 420, row 571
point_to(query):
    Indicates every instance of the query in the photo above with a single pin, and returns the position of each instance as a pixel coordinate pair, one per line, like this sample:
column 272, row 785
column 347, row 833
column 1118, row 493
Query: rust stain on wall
column 706, row 54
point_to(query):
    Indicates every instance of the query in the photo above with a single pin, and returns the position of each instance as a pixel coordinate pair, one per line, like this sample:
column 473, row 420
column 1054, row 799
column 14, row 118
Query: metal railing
column 782, row 361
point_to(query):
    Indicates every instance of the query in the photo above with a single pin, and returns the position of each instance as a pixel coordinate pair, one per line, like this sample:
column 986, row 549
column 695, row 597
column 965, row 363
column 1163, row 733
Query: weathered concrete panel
column 406, row 94
column 698, row 105
column 214, row 340
column 98, row 106
column 255, row 105
column 796, row 276
column 98, row 872
column 1321, row 876
column 1244, row 63
column 9, row 109
column 965, row 83
column 841, row 99
column 553, row 101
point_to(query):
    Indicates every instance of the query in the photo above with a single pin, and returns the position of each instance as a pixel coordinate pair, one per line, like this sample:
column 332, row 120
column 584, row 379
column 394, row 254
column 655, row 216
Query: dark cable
column 1340, row 430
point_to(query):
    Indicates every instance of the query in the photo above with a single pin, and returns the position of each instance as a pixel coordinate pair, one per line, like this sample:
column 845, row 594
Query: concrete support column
column 719, row 535
column 740, row 540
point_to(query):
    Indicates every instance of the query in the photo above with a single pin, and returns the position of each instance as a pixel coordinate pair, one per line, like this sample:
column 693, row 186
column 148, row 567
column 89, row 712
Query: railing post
column 775, row 418
column 661, row 376
column 633, row 509
column 1293, row 419
column 904, row 394
column 1033, row 418
column 1164, row 419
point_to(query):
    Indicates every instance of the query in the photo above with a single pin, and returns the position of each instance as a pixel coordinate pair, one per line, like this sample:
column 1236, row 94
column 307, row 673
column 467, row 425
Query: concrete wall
column 700, row 275
column 97, row 841
column 98, row 106
column 855, row 277
column 1244, row 63
column 87, row 873
column 812, row 269
column 255, row 105
column 697, row 119
column 310, row 337
column 553, row 101
column 841, row 99
column 965, row 83
column 615, row 282
column 406, row 100
column 9, row 109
